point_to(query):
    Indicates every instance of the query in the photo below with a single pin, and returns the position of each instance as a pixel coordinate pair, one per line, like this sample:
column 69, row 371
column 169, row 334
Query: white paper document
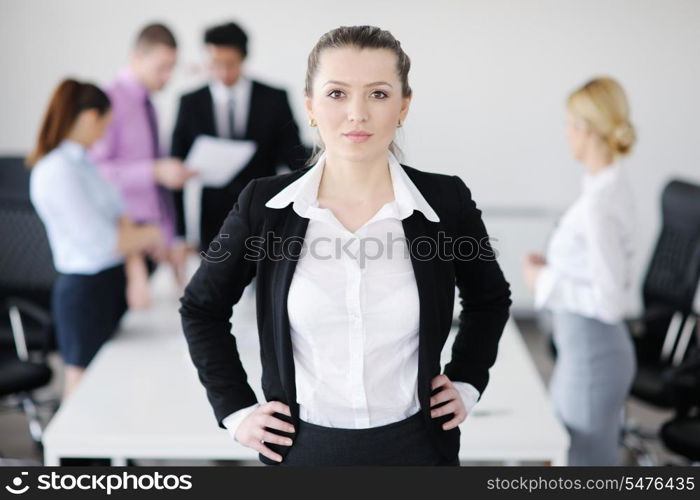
column 218, row 160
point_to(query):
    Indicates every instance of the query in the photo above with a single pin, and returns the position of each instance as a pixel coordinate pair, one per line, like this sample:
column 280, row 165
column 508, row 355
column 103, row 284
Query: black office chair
column 681, row 434
column 26, row 270
column 26, row 279
column 664, row 334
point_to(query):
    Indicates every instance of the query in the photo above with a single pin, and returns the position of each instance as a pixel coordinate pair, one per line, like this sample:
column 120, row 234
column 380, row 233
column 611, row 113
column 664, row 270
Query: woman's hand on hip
column 454, row 403
column 252, row 433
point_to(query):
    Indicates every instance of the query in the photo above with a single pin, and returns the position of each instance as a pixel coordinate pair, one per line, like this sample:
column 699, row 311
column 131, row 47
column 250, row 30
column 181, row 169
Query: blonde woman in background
column 585, row 277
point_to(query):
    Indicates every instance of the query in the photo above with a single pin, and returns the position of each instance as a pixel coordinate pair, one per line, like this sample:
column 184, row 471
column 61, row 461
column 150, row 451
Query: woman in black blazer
column 351, row 372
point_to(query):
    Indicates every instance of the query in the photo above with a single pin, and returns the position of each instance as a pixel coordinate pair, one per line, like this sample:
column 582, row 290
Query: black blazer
column 270, row 123
column 246, row 248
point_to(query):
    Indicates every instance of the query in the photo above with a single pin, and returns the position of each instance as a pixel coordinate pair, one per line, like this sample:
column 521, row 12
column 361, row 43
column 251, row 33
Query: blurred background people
column 86, row 225
column 235, row 106
column 129, row 152
column 585, row 276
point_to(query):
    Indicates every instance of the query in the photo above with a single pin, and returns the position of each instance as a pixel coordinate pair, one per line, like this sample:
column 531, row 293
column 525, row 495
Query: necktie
column 165, row 196
column 231, row 123
column 153, row 125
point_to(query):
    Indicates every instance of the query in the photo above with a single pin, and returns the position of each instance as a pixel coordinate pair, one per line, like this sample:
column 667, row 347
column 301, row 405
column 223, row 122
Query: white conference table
column 140, row 398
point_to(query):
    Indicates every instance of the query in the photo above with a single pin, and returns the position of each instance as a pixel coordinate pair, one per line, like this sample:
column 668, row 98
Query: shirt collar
column 592, row 182
column 303, row 192
column 73, row 149
column 221, row 92
column 132, row 83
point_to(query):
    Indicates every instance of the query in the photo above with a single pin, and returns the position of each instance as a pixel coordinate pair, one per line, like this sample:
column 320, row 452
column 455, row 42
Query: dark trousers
column 405, row 442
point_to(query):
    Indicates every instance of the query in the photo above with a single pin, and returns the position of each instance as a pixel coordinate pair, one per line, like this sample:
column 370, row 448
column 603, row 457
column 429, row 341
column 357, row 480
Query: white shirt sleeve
column 469, row 393
column 232, row 421
column 603, row 297
column 544, row 286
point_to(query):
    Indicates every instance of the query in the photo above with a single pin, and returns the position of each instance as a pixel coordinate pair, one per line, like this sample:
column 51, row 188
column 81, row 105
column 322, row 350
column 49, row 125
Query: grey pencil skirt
column 405, row 442
column 592, row 377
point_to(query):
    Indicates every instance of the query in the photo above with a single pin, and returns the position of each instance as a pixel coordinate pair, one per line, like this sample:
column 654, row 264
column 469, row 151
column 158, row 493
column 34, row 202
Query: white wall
column 489, row 80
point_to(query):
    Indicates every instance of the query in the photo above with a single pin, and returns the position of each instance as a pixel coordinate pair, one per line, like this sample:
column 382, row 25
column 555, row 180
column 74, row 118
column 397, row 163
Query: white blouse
column 354, row 310
column 589, row 254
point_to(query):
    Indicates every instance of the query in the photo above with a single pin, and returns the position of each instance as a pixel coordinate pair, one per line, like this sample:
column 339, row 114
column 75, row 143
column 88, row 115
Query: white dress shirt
column 79, row 209
column 589, row 254
column 239, row 92
column 354, row 315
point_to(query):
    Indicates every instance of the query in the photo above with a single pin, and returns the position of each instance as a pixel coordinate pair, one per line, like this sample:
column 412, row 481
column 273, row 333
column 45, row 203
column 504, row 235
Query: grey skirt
column 592, row 377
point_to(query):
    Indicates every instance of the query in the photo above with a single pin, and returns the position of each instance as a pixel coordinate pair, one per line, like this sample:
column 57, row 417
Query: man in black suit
column 237, row 107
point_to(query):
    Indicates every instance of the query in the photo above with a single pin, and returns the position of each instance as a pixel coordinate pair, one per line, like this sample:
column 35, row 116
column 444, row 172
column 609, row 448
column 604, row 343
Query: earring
column 399, row 125
column 312, row 122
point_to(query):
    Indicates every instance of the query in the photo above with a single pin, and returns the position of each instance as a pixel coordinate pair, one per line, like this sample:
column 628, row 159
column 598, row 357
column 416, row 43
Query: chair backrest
column 26, row 264
column 673, row 273
column 14, row 178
